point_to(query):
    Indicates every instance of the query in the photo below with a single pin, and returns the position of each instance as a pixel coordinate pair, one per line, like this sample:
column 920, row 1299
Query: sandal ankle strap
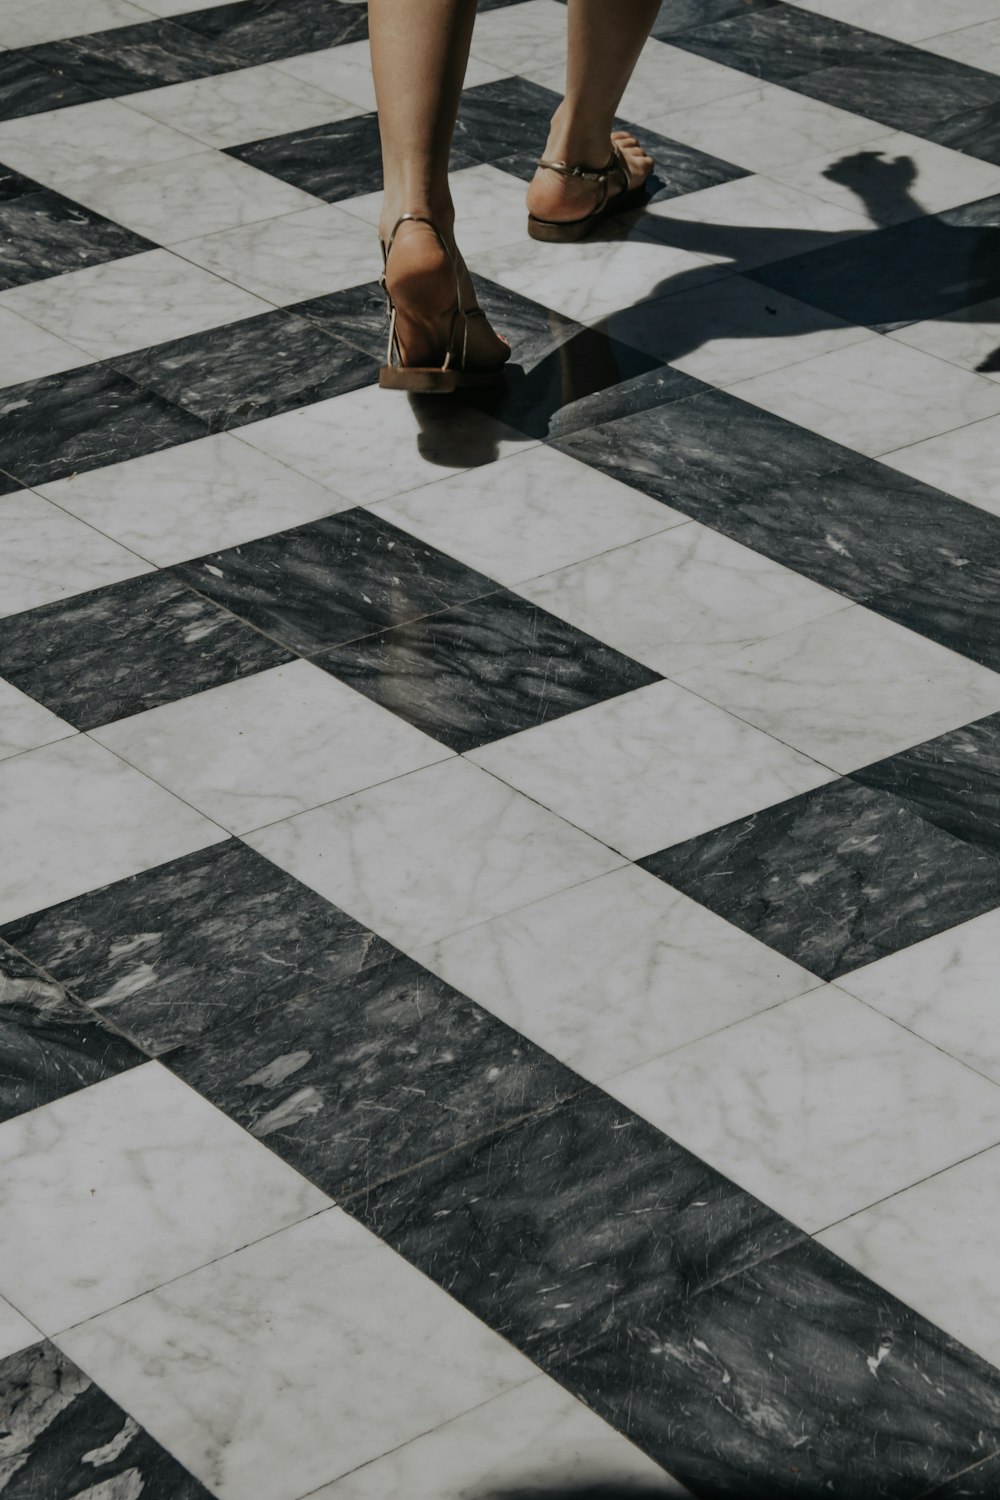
column 615, row 168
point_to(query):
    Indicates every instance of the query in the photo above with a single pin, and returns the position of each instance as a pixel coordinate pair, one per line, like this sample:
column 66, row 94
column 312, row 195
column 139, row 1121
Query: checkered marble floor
column 500, row 902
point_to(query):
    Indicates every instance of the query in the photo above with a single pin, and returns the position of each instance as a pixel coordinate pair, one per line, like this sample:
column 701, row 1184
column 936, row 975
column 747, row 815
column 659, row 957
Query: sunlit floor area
column 500, row 895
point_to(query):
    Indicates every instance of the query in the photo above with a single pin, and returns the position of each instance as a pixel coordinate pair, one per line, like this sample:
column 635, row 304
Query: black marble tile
column 15, row 184
column 173, row 953
column 683, row 15
column 64, row 1437
column 342, row 159
column 83, row 419
column 958, row 606
column 835, row 878
column 49, row 1047
column 974, row 131
column 357, row 315
column 953, row 781
column 925, row 268
column 44, row 234
column 506, row 123
column 356, row 1082
column 980, row 1482
column 128, row 59
column 705, row 454
column 863, row 531
column 246, row 371
column 118, row 650
column 903, row 87
column 679, row 169
column 731, row 1349
column 480, row 671
column 779, row 42
column 334, row 580
column 27, row 87
column 265, row 30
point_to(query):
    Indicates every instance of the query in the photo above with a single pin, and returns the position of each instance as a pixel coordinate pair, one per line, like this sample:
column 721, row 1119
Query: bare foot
column 420, row 279
column 559, row 199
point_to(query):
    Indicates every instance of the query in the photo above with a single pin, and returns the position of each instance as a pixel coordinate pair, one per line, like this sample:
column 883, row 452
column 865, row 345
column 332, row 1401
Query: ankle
column 577, row 137
column 440, row 211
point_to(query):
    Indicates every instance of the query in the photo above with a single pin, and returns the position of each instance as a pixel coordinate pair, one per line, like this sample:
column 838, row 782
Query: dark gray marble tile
column 952, row 781
column 958, row 606
column 980, row 1482
column 357, row 1082
column 357, row 315
column 173, row 953
column 974, row 131
column 266, row 30
column 342, row 159
column 64, row 1437
column 118, row 650
column 15, row 184
column 480, row 671
column 864, row 530
column 679, row 169
column 925, row 268
column 83, row 419
column 246, row 371
column 49, row 1047
column 705, row 454
column 8, row 484
column 682, row 15
column 835, row 878
column 27, row 87
column 505, row 123
column 902, row 87
column 128, row 59
column 43, row 234
column 779, row 42
column 731, row 1349
column 334, row 580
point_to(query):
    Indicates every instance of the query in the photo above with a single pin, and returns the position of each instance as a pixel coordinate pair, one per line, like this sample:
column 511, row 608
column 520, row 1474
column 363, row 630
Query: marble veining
column 247, row 371
column 127, row 647
column 84, row 419
column 958, row 605
column 44, row 234
column 340, row 159
column 130, row 58
column 334, row 580
column 27, row 87
column 196, row 943
column 357, row 314
column 482, row 670
column 48, row 1045
column 683, row 15
column 835, row 878
column 63, row 1435
column 264, row 30
column 778, row 42
column 904, row 87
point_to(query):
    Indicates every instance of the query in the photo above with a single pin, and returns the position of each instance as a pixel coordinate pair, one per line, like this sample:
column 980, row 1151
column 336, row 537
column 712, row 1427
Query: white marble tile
column 849, row 688
column 28, row 352
column 65, row 148
column 874, row 396
column 15, row 1332
column 127, row 1184
column 131, row 303
column 683, row 597
column 25, row 724
column 750, row 222
column 269, row 746
column 489, row 208
column 227, row 109
column 532, row 1438
column 945, row 989
column 666, row 78
column 347, row 71
column 764, row 128
column 371, row 443
column 178, row 7
column 589, row 280
column 965, row 463
column 615, row 971
column 969, row 338
column 905, row 20
column 182, row 199
column 528, row 514
column 979, row 46
column 294, row 256
column 295, row 1360
column 23, row 23
column 74, row 817
column 433, row 852
column 522, row 37
column 195, row 498
column 892, row 177
column 819, row 1107
column 732, row 329
column 46, row 554
column 934, row 1247
column 651, row 768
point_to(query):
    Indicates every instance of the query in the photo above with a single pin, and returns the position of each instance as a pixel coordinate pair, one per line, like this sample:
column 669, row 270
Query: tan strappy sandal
column 575, row 229
column 453, row 373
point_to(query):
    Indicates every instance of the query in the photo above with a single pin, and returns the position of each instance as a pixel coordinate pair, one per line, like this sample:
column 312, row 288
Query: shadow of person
column 909, row 267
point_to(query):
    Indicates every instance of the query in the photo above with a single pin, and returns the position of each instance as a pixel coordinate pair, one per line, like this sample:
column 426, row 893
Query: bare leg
column 420, row 49
column 604, row 43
